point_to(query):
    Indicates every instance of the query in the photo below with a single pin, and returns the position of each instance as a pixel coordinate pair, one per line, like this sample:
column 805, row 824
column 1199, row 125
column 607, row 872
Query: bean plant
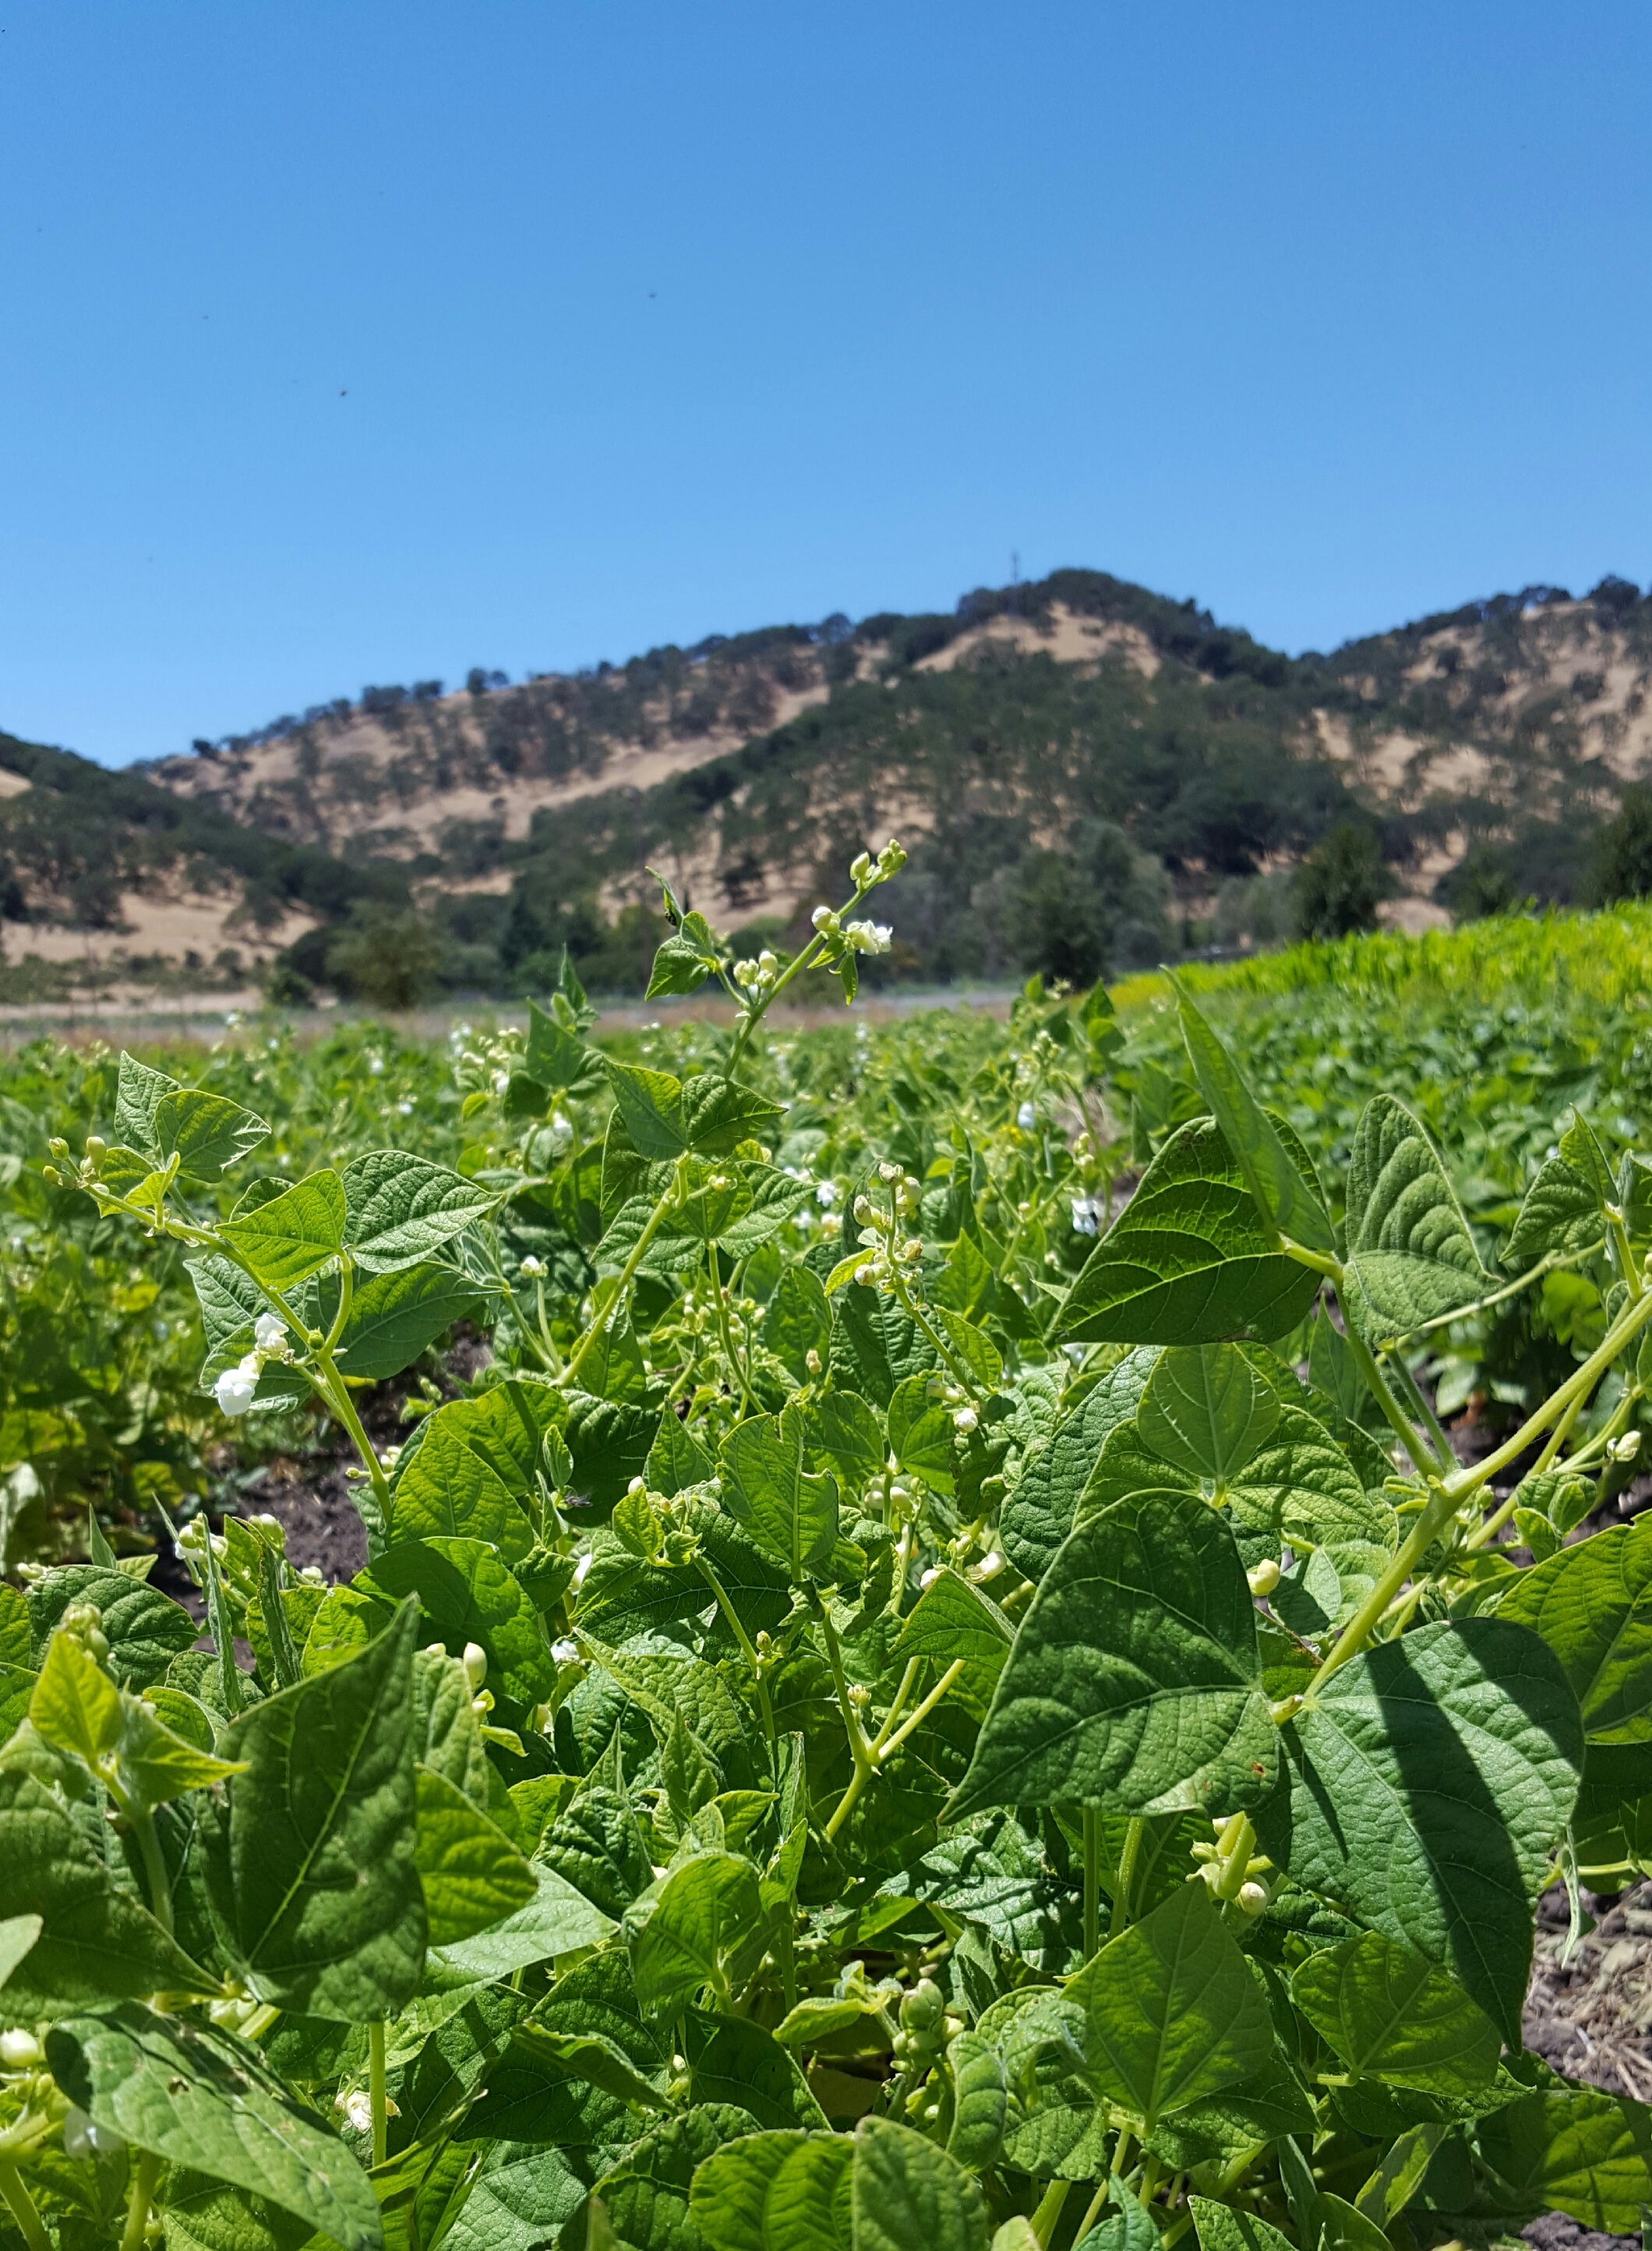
column 966, row 1703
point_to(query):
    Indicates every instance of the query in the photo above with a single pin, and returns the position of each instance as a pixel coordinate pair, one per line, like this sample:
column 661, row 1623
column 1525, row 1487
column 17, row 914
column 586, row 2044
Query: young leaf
column 1409, row 1248
column 471, row 1874
column 558, row 1920
column 1428, row 1782
column 472, row 1471
column 317, row 1874
column 1223, row 2227
column 206, row 1133
column 402, row 1207
column 1172, row 2011
column 138, row 1093
column 1560, row 1214
column 1282, row 1194
column 18, row 1933
column 291, row 1235
column 679, row 1939
column 1135, row 1677
column 556, row 1057
column 203, row 2100
column 1189, row 1260
column 798, row 1321
column 1391, row 2015
column 791, row 1512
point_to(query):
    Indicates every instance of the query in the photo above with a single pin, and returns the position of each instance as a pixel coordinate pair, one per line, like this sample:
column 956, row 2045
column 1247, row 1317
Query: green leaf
column 679, row 1939
column 144, row 1629
column 1039, row 1511
column 679, row 966
column 95, row 1943
column 203, row 2100
column 980, row 2101
column 203, row 2215
column 665, row 1116
column 843, row 1431
column 776, row 2192
column 1189, row 1260
column 610, row 1441
column 1391, row 2015
column 798, row 1321
column 393, row 1316
column 1135, row 1679
column 1282, row 1194
column 402, row 1207
column 558, row 1920
column 907, row 2195
column 952, row 1620
column 1560, row 1215
column 1173, row 2012
column 471, row 1874
column 472, row 1471
column 1409, row 1248
column 294, row 1235
column 731, row 2059
column 1577, row 2151
column 75, row 1706
column 1130, row 2227
column 1428, row 1781
column 318, row 1876
column 206, row 1133
column 18, row 1933
column 789, row 1511
column 921, row 1436
column 1223, row 2228
column 138, row 1093
column 556, row 1056
column 467, row 1594
column 1207, row 1410
column 1304, row 1489
column 1593, row 1606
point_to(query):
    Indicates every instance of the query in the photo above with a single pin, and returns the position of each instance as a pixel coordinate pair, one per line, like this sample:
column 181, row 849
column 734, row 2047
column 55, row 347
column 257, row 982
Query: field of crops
column 894, row 1638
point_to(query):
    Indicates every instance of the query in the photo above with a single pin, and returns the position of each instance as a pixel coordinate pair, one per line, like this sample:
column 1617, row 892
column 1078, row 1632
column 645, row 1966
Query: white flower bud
column 269, row 1332
column 236, row 1385
column 636, row 1485
column 534, row 1270
column 929, row 1577
column 863, row 1209
column 860, row 867
column 864, row 1275
column 1253, row 1898
column 811, row 1360
column 1026, row 1118
column 565, row 1652
column 965, row 1420
column 1264, row 1578
column 19, row 2050
column 475, row 1664
column 358, row 2109
column 582, row 1571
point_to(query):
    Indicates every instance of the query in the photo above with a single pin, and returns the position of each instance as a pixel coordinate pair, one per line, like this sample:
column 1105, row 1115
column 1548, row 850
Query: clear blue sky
column 348, row 342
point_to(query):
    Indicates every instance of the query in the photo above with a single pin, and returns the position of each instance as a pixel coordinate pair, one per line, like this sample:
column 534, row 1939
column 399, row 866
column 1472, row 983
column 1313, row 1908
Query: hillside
column 1084, row 771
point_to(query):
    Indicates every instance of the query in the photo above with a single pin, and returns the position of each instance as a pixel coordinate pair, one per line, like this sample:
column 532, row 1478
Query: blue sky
column 356, row 342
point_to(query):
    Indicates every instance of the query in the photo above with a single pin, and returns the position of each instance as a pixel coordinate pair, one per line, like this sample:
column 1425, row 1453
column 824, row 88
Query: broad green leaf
column 679, row 966
column 1577, row 2151
column 907, row 2195
column 789, row 1511
column 1560, row 1215
column 467, row 1594
column 1039, row 1511
column 1207, row 1410
column 318, row 1876
column 842, row 1429
column 294, row 1235
column 471, row 1874
column 681, row 1939
column 75, row 1705
column 204, row 2100
column 1129, row 2227
column 708, row 1114
column 798, row 1321
column 145, row 1630
column 402, row 1207
column 393, row 1316
column 1391, row 2015
column 556, row 1056
column 971, row 1347
column 206, row 1133
column 770, row 1198
column 921, row 1436
column 591, row 2057
column 138, row 1093
column 980, row 2101
column 1428, row 1781
column 1135, row 1677
column 782, row 2191
column 1172, row 2012
column 732, row 2059
column 473, row 1471
column 95, row 1943
column 1303, row 1488
column 676, row 1459
column 558, row 1920
column 1409, row 1248
column 1283, row 1196
column 18, row 1933
column 1224, row 2127
column 952, row 1620
column 203, row 2215
column 610, row 1441
column 345, row 1621
column 1593, row 1606
column 1223, row 2227
column 645, row 2199
column 1189, row 1260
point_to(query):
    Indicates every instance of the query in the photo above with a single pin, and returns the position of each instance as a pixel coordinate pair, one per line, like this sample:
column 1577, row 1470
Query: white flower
column 929, row 1577
column 965, row 1420
column 534, row 1270
column 1026, row 1118
column 826, row 1194
column 404, row 1109
column 23, row 1482
column 581, row 1569
column 82, row 2137
column 1085, row 1220
column 375, row 1065
column 236, row 1385
column 869, row 937
column 358, row 2108
column 562, row 1129
column 501, row 1080
column 565, row 1652
column 19, row 2051
column 269, row 1333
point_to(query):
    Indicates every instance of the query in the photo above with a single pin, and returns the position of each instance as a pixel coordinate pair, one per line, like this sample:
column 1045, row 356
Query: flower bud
column 863, row 1209
column 19, row 2050
column 965, row 1420
column 811, row 1360
column 865, row 1277
column 923, row 2009
column 1264, row 1578
column 475, row 1664
column 1253, row 1898
column 96, row 1148
column 57, row 1145
column 52, row 1176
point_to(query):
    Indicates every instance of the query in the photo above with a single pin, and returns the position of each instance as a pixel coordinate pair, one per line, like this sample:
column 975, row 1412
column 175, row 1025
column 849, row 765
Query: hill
column 1085, row 773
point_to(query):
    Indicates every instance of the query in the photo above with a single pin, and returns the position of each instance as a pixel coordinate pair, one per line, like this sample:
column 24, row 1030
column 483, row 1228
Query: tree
column 1623, row 858
column 1341, row 884
column 390, row 957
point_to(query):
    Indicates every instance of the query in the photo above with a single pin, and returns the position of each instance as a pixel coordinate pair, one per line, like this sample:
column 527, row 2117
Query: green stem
column 756, row 1010
column 1393, row 1413
column 923, row 1709
column 1412, row 1401
column 153, row 1866
column 743, row 1638
column 724, row 1331
column 1049, row 2212
column 627, row 1273
column 909, row 1305
column 908, row 1682
column 14, row 2190
column 1634, row 1318
column 1092, row 1901
column 1127, row 1860
column 1483, row 1305
column 1094, row 2209
column 375, row 2090
column 335, row 1392
column 146, row 2172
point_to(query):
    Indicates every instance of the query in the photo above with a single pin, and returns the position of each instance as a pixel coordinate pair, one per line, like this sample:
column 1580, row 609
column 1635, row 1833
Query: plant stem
column 627, row 1272
column 153, row 1866
column 14, row 2190
column 335, row 1392
column 1092, row 1902
column 923, row 1709
column 1094, row 2209
column 1127, row 1860
column 375, row 2090
column 146, row 2172
column 721, row 1303
column 1049, row 2210
column 1546, row 1265
column 1395, row 1415
column 742, row 1637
